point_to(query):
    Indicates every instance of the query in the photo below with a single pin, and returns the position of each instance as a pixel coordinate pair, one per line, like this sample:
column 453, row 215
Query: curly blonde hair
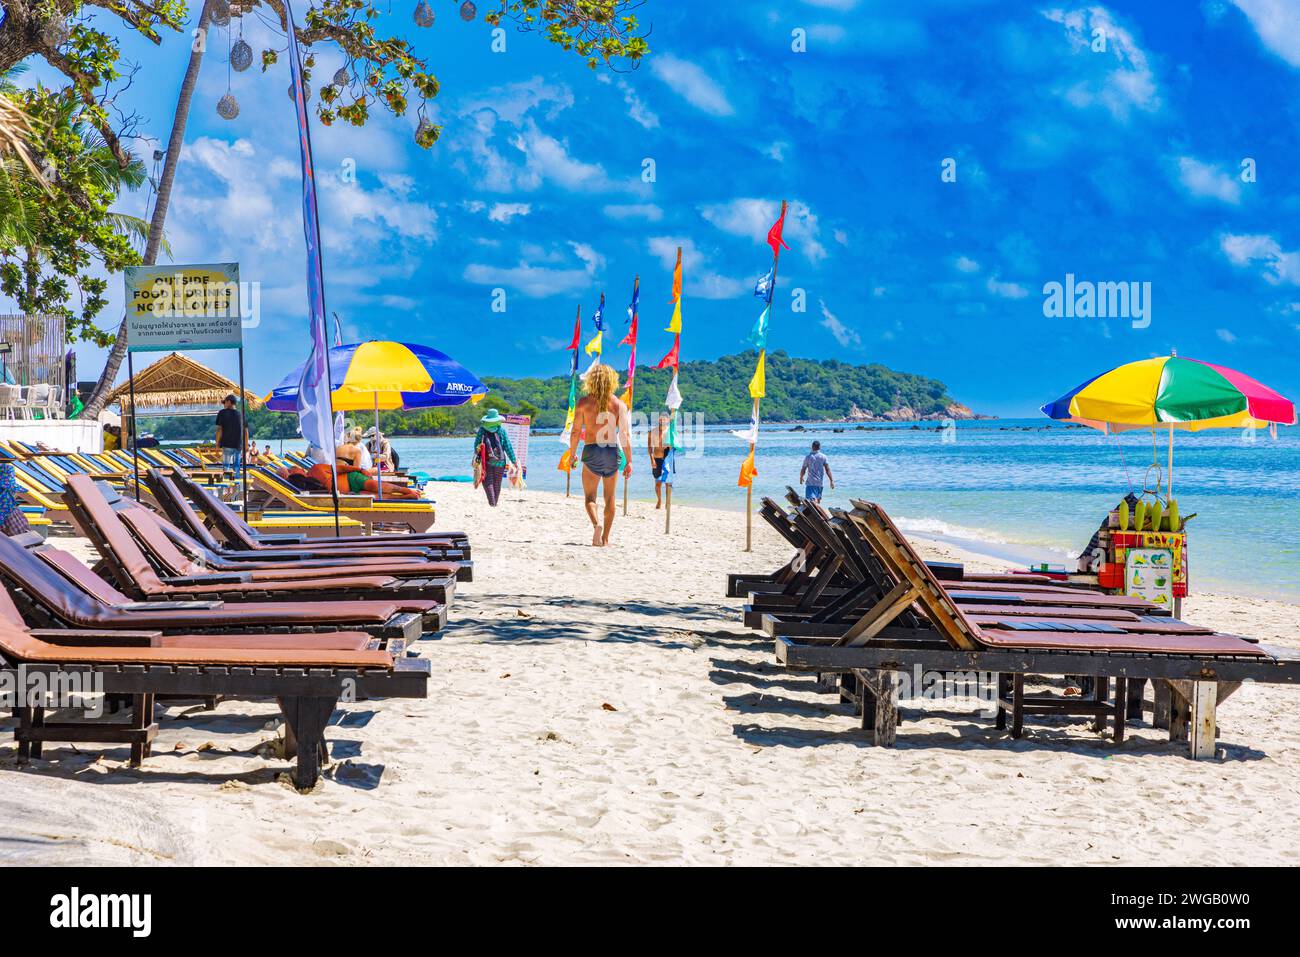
column 600, row 382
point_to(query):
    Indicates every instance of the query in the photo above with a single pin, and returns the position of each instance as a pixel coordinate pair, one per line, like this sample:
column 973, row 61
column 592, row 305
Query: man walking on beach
column 815, row 464
column 231, row 436
column 602, row 417
column 656, row 441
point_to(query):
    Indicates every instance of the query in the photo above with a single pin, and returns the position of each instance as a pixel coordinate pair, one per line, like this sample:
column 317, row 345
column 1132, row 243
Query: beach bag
column 478, row 465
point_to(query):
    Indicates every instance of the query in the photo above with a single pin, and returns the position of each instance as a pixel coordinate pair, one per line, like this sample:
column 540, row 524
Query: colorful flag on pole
column 673, row 400
column 671, row 358
column 763, row 288
column 750, row 435
column 675, row 323
column 677, row 277
column 577, row 336
column 636, row 299
column 630, row 340
column 758, row 384
column 747, row 471
column 315, row 420
column 774, row 234
column 594, row 345
column 573, row 377
column 758, row 335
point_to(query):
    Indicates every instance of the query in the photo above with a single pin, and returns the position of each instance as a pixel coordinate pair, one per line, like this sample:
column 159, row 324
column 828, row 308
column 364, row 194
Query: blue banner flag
column 763, row 288
column 314, row 407
column 636, row 299
column 599, row 317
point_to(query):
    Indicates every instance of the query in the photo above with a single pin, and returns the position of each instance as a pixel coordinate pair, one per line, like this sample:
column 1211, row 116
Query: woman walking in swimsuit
column 602, row 417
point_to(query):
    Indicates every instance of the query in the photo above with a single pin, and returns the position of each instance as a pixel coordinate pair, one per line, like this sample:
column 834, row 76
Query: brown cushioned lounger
column 57, row 589
column 161, row 546
column 307, row 683
column 182, row 515
column 239, row 534
column 129, row 565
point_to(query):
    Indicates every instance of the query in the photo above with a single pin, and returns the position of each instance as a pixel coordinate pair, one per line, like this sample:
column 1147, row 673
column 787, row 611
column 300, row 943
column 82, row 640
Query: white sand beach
column 606, row 706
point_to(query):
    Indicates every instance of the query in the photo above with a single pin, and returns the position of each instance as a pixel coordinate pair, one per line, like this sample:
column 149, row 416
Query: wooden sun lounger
column 133, row 573
column 1197, row 665
column 238, row 535
column 307, row 683
column 268, row 490
column 178, row 509
column 173, row 553
column 55, row 589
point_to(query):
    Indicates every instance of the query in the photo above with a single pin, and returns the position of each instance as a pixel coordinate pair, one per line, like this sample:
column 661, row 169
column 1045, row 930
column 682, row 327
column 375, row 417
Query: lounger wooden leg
column 1017, row 705
column 38, row 721
column 1102, row 692
column 866, row 701
column 884, row 689
column 1135, row 691
column 1159, row 703
column 1004, row 689
column 1180, row 715
column 1205, row 699
column 305, row 720
column 141, row 718
column 24, row 716
column 1121, row 708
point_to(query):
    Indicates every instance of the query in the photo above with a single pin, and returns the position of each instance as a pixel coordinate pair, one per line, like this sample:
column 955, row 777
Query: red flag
column 671, row 358
column 774, row 234
column 630, row 338
column 577, row 332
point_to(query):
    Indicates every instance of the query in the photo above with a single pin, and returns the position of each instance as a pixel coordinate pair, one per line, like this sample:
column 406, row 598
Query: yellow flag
column 675, row 324
column 758, row 384
column 747, row 471
column 594, row 344
column 627, row 397
column 566, row 462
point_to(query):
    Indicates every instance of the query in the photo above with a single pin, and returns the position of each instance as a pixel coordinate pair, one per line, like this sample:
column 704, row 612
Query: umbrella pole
column 379, row 474
column 1170, row 483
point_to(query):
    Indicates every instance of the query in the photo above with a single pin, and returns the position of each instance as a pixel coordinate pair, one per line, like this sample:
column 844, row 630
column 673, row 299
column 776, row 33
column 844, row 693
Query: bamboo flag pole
column 573, row 389
column 672, row 418
column 631, row 372
column 749, row 490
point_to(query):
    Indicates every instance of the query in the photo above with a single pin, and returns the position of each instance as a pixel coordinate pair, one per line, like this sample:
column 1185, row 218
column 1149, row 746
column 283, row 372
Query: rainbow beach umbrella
column 1171, row 392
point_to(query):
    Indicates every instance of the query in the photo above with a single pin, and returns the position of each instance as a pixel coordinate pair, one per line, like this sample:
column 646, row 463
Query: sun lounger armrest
column 89, row 637
column 27, row 539
column 215, row 578
column 169, row 606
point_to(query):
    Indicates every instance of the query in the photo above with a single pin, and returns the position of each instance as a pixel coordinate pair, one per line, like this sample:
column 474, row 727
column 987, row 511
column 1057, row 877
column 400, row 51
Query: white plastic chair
column 8, row 400
column 38, row 399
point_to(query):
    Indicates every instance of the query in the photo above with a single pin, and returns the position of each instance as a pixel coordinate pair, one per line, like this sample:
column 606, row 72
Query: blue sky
column 1115, row 165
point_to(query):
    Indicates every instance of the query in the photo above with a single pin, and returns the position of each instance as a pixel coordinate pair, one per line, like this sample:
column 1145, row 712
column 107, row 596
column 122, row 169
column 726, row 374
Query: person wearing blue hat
column 493, row 454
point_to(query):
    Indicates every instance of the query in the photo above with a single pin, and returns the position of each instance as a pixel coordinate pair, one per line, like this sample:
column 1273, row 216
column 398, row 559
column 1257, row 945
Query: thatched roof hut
column 177, row 385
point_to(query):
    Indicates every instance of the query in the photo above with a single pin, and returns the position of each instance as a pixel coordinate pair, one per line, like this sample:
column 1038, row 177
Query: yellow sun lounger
column 417, row 515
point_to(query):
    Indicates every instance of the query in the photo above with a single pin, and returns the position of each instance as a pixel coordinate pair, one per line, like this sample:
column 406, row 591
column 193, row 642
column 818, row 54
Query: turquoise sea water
column 1019, row 489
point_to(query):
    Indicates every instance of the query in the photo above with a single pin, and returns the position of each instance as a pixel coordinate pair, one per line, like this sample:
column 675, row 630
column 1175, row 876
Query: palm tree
column 154, row 239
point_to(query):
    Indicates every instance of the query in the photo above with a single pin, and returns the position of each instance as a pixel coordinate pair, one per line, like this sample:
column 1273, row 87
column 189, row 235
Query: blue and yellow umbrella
column 386, row 375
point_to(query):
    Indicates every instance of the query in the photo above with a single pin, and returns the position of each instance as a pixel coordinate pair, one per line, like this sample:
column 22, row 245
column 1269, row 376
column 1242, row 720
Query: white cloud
column 637, row 111
column 527, row 278
column 754, row 217
column 776, row 151
column 692, row 83
column 1265, row 253
column 647, row 211
column 504, row 212
column 1225, row 336
column 1007, row 290
column 1207, row 180
column 966, row 264
column 1277, row 24
column 846, row 337
column 698, row 278
column 1119, row 78
column 826, row 33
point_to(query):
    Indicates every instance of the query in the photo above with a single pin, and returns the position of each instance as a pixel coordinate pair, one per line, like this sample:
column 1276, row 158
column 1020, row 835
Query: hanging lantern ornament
column 423, row 14
column 306, row 91
column 241, row 55
column 468, row 10
column 220, row 12
column 56, row 32
column 228, row 107
column 341, row 77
